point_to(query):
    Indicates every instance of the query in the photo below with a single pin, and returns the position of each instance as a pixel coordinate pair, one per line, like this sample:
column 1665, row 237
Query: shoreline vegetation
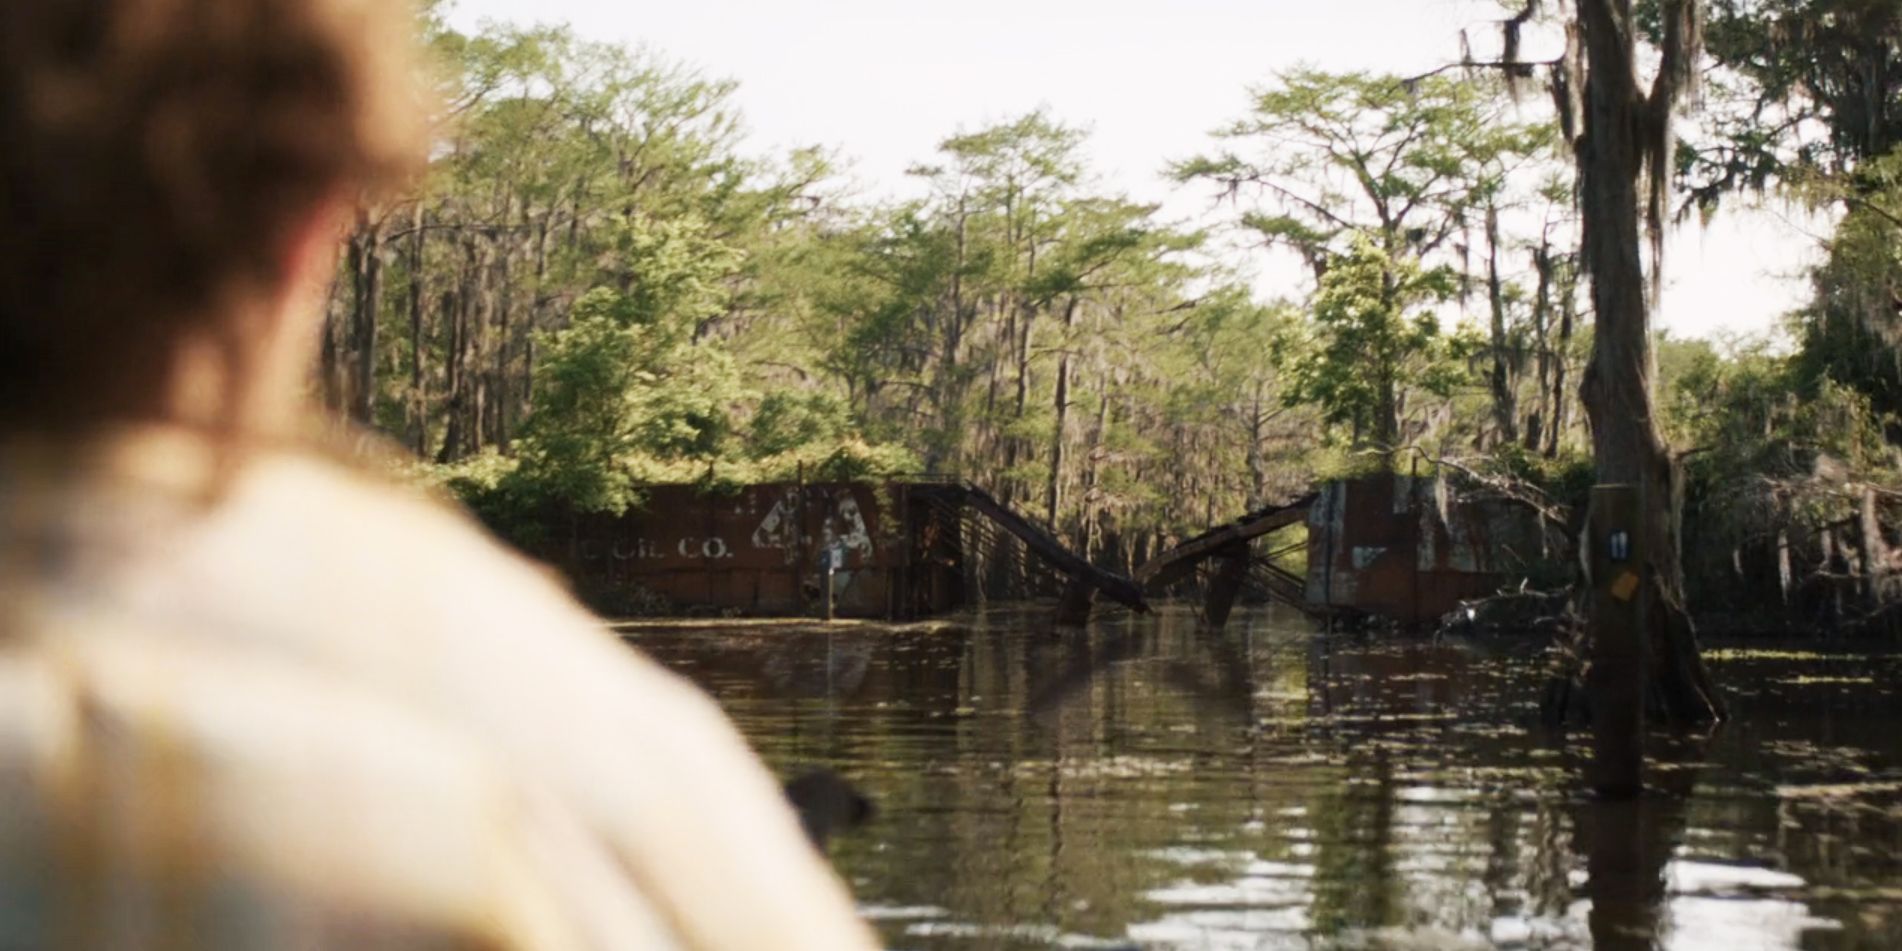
column 598, row 288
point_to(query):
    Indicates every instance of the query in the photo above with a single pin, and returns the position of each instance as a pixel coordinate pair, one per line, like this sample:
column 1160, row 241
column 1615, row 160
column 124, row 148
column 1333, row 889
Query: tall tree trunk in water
column 456, row 308
column 1561, row 396
column 1093, row 461
column 1053, row 491
column 947, row 394
column 505, row 401
column 536, row 317
column 363, row 331
column 477, row 370
column 1016, row 446
column 1257, row 466
column 455, row 316
column 418, row 383
column 1000, row 336
column 1387, row 414
column 1625, row 134
column 1505, row 403
column 330, row 354
column 1542, row 332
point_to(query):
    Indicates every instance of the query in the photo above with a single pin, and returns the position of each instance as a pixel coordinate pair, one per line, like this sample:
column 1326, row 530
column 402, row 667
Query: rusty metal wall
column 757, row 551
column 1400, row 547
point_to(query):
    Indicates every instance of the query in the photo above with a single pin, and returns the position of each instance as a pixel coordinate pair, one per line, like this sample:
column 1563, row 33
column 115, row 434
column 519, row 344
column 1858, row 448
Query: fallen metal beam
column 1230, row 573
column 1176, row 563
column 1113, row 586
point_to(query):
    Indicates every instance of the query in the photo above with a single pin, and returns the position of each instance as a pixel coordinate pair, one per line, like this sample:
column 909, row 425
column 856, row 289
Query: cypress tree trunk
column 1505, row 401
column 456, row 405
column 330, row 357
column 1092, row 498
column 418, row 382
column 1053, row 489
column 1257, row 471
column 1568, row 318
column 1622, row 128
column 367, row 256
column 1386, row 422
column 1542, row 328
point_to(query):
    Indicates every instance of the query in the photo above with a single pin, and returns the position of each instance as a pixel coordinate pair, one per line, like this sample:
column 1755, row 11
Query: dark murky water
column 1145, row 784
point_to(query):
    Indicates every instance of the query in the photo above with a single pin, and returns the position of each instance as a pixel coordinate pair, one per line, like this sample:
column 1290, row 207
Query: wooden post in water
column 798, row 515
column 1875, row 555
column 829, row 562
column 1833, row 573
column 1414, row 530
column 898, row 577
column 1231, row 571
column 1616, row 682
column 1784, row 577
column 1073, row 607
column 1330, row 509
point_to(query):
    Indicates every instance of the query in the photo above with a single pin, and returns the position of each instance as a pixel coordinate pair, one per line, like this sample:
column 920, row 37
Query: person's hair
column 157, row 158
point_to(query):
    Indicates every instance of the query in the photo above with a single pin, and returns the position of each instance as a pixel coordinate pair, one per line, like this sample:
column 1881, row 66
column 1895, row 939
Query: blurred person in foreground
column 251, row 697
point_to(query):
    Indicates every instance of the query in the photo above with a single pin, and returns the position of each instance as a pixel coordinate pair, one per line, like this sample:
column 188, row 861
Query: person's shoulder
column 345, row 563
column 406, row 592
column 144, row 710
column 370, row 518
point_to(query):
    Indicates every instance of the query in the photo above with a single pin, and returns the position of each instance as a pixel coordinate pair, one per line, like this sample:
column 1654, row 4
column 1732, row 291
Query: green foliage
column 1850, row 332
column 1740, row 407
column 1338, row 162
column 1340, row 154
column 1769, row 455
column 599, row 289
column 479, row 475
column 786, row 421
column 673, row 275
column 1811, row 103
column 1808, row 88
column 625, row 380
column 487, row 483
column 1371, row 342
column 843, row 458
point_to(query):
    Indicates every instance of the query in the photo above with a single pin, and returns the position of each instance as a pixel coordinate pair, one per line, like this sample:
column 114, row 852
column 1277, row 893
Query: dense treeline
column 598, row 288
column 1791, row 453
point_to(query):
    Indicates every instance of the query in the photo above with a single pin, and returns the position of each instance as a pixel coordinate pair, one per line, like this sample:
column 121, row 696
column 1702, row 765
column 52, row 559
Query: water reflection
column 1143, row 783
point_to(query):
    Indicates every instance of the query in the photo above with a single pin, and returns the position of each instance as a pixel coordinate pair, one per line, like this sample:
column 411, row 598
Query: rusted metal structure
column 1410, row 549
column 1230, row 548
column 1390, row 545
column 759, row 551
column 899, row 550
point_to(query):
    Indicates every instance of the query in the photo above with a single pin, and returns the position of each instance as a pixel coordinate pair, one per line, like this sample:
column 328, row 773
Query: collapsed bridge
column 903, row 550
column 1385, row 544
column 1231, row 548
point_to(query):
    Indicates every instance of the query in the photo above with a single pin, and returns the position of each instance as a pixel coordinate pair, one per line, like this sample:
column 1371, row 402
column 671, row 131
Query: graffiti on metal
column 842, row 523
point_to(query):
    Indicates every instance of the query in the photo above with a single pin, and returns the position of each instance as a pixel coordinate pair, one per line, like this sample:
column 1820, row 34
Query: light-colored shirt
column 319, row 710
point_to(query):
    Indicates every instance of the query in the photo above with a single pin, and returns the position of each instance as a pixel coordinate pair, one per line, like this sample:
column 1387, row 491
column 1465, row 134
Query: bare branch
column 1512, row 68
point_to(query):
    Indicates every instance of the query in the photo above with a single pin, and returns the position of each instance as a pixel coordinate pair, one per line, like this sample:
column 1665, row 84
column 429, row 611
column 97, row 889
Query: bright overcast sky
column 882, row 81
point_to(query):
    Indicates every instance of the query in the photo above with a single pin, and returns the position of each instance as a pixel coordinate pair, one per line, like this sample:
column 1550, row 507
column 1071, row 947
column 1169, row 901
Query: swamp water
column 1145, row 784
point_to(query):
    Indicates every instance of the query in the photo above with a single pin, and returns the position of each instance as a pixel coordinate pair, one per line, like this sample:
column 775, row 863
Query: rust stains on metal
column 1391, row 545
column 1406, row 548
column 759, row 551
column 899, row 550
